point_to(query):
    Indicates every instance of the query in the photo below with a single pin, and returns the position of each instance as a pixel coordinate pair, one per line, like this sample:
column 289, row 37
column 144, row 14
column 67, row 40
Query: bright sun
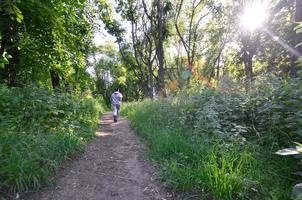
column 254, row 15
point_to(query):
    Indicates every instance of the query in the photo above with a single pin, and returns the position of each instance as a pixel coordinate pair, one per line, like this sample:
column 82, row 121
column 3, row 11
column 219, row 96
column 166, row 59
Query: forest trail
column 111, row 168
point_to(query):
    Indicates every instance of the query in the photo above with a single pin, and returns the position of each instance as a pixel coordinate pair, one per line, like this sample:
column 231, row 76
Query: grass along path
column 111, row 168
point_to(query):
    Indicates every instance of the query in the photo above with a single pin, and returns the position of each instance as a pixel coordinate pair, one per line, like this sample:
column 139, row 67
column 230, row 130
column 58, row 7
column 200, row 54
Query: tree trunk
column 249, row 47
column 248, row 63
column 160, row 49
column 218, row 68
column 298, row 39
column 55, row 79
column 150, row 80
column 146, row 89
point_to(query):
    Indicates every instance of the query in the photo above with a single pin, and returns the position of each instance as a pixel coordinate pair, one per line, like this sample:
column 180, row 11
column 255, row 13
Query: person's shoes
column 114, row 119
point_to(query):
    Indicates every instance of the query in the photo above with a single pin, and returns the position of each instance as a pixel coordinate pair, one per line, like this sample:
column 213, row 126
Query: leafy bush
column 224, row 143
column 38, row 130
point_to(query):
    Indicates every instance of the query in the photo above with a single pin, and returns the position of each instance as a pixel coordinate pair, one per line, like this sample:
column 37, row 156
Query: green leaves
column 18, row 13
column 234, row 137
column 56, row 35
column 186, row 74
column 289, row 151
column 38, row 130
column 4, row 60
column 11, row 9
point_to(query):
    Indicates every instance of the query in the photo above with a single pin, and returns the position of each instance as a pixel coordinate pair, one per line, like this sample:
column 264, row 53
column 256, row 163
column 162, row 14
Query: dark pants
column 116, row 112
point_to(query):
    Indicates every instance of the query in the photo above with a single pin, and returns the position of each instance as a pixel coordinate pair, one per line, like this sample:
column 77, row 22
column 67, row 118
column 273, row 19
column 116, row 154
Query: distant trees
column 189, row 17
column 205, row 40
column 149, row 33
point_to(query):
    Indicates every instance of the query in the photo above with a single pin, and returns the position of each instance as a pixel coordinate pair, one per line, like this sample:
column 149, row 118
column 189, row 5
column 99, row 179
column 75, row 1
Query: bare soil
column 111, row 168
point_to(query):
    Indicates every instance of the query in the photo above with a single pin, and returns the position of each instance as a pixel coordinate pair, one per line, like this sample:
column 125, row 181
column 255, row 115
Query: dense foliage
column 224, row 143
column 205, row 40
column 46, row 112
column 38, row 130
column 46, row 43
column 111, row 74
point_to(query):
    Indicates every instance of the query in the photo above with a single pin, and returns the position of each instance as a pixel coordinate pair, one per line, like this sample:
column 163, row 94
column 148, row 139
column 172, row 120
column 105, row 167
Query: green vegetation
column 224, row 143
column 38, row 130
column 47, row 112
column 231, row 70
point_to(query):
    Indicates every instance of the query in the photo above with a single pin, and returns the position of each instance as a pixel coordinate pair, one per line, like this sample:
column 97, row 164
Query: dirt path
column 111, row 168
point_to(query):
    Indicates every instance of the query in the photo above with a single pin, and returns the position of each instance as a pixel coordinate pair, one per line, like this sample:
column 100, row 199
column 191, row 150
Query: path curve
column 111, row 168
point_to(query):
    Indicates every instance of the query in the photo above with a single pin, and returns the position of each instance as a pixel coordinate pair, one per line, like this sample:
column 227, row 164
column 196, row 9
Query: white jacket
column 116, row 98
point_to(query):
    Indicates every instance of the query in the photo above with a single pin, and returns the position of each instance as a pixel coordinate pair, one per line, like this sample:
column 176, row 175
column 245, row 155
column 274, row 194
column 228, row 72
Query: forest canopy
column 173, row 45
column 160, row 46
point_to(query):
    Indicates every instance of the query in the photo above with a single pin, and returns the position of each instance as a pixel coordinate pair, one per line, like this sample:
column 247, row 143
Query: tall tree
column 298, row 39
column 160, row 37
column 48, row 42
column 196, row 11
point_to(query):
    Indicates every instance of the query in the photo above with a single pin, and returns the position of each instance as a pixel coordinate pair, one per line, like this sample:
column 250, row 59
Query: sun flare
column 254, row 16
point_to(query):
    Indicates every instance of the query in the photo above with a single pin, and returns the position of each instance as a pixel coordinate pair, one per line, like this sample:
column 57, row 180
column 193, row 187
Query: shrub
column 224, row 143
column 38, row 130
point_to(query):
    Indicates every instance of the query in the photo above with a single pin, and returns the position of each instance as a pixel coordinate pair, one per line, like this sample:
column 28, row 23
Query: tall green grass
column 38, row 130
column 216, row 144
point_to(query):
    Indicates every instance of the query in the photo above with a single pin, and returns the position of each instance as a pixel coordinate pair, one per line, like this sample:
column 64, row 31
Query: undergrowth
column 223, row 143
column 38, row 130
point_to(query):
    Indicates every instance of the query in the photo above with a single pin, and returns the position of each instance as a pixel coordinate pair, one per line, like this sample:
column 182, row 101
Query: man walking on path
column 116, row 100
